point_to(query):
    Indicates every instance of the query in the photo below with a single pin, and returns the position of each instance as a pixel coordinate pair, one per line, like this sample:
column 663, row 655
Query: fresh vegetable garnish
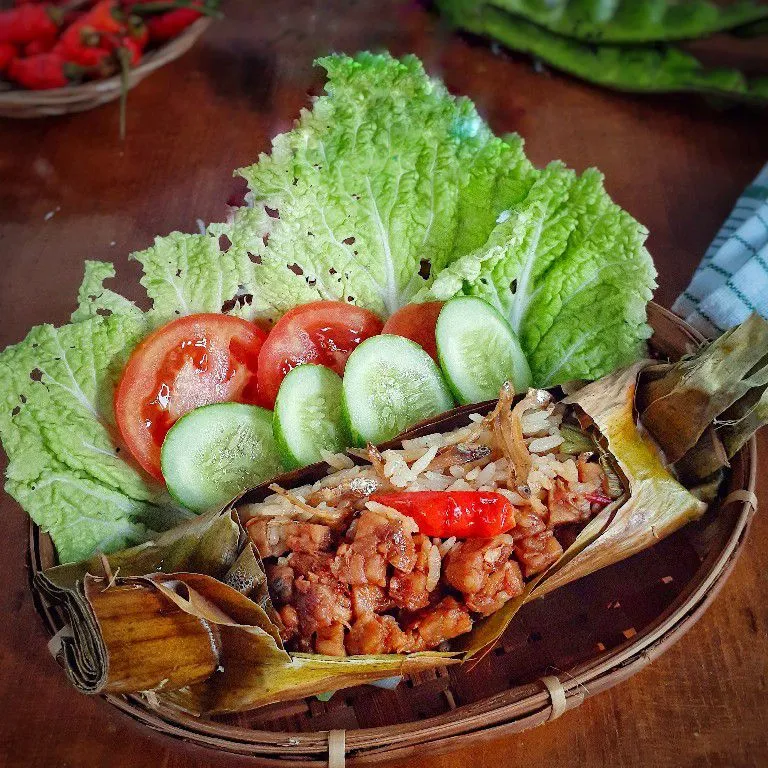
column 464, row 514
column 479, row 351
column 391, row 383
column 322, row 332
column 417, row 323
column 193, row 361
column 215, row 452
column 333, row 217
column 308, row 418
column 577, row 314
column 548, row 248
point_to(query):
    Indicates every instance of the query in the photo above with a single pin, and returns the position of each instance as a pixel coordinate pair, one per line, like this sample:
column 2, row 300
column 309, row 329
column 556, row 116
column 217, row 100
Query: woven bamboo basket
column 78, row 98
column 576, row 642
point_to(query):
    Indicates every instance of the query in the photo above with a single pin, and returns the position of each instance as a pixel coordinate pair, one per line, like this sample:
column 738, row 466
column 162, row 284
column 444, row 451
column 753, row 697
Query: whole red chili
column 105, row 16
column 48, row 70
column 8, row 53
column 464, row 514
column 84, row 55
column 101, row 19
column 38, row 2
column 44, row 45
column 168, row 25
column 26, row 23
column 79, row 34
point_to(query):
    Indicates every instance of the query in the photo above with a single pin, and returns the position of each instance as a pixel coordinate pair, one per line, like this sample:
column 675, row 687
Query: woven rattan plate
column 576, row 642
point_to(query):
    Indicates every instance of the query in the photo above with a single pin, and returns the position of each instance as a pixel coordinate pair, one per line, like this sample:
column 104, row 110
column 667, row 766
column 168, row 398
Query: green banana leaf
column 142, row 620
column 697, row 391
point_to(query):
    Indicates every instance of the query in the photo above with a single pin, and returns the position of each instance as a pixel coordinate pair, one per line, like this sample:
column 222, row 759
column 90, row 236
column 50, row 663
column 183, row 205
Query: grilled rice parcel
column 409, row 549
column 418, row 554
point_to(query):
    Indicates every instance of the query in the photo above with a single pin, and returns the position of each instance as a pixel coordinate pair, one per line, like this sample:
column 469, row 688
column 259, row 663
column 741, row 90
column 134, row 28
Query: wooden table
column 71, row 190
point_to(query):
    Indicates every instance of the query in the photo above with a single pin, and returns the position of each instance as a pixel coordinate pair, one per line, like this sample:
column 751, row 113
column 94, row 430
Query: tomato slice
column 322, row 332
column 193, row 361
column 417, row 323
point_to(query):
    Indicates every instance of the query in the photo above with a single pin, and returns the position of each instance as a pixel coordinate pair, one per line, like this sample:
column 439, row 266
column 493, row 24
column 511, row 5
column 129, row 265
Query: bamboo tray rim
column 515, row 709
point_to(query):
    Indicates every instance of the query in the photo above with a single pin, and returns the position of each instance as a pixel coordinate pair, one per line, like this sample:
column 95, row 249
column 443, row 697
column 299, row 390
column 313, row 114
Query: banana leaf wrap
column 188, row 616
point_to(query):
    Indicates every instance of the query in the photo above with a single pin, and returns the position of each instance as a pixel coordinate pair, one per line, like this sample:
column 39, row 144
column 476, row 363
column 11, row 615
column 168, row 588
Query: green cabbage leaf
column 389, row 190
column 568, row 269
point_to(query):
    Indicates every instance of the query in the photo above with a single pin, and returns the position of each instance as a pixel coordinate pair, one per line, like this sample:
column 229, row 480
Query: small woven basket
column 576, row 642
column 78, row 98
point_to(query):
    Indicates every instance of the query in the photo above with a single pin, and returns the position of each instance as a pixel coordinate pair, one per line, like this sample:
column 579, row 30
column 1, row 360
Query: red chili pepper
column 8, row 53
column 105, row 16
column 39, row 2
column 26, row 23
column 168, row 25
column 37, row 47
column 79, row 34
column 82, row 53
column 465, row 514
column 597, row 497
column 48, row 70
column 72, row 17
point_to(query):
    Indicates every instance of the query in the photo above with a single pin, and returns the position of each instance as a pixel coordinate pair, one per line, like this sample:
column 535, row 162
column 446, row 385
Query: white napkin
column 732, row 280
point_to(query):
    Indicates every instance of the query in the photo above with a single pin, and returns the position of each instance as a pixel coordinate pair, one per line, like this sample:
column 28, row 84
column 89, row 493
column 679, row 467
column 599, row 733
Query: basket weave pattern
column 576, row 642
column 78, row 98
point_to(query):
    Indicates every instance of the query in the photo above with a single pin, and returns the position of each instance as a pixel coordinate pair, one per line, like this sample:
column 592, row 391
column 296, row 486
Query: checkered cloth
column 732, row 280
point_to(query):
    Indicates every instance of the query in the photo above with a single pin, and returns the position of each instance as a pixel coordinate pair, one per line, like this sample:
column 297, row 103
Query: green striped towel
column 732, row 280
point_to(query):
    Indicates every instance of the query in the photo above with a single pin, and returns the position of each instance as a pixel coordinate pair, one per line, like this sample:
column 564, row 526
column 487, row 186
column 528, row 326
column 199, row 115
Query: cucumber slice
column 308, row 416
column 217, row 451
column 478, row 350
column 391, row 383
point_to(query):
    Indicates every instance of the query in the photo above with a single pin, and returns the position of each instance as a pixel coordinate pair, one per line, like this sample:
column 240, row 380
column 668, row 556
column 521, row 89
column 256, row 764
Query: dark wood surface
column 70, row 190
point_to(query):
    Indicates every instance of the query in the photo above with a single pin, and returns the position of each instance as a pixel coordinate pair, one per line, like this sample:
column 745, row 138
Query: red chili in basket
column 37, row 47
column 8, row 53
column 48, row 70
column 169, row 25
column 26, row 23
column 105, row 16
column 83, row 53
column 465, row 514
